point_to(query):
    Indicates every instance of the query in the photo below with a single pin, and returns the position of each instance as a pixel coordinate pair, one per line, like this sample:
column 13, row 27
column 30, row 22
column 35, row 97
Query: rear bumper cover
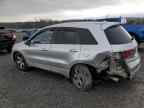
column 132, row 72
column 125, row 69
column 6, row 44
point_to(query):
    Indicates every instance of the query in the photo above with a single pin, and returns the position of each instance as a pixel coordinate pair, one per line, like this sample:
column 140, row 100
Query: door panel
column 38, row 52
column 65, row 52
column 64, row 56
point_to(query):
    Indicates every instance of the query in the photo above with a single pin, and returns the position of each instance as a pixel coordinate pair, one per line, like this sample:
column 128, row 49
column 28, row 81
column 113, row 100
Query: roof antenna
column 105, row 20
column 107, row 17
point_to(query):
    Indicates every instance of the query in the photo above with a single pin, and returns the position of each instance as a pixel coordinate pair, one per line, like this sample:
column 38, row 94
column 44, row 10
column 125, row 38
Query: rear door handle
column 44, row 50
column 73, row 50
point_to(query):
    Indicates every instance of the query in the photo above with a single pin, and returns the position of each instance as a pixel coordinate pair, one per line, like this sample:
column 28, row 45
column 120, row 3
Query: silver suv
column 80, row 51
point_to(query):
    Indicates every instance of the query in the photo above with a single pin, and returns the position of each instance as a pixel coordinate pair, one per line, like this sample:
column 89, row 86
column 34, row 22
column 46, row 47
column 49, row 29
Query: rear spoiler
column 118, row 20
column 112, row 22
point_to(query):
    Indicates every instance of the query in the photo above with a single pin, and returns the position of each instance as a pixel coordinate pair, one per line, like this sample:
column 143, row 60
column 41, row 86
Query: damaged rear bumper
column 118, row 67
column 134, row 71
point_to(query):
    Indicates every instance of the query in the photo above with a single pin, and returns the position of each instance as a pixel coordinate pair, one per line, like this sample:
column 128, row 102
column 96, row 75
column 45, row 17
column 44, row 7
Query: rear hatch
column 122, row 43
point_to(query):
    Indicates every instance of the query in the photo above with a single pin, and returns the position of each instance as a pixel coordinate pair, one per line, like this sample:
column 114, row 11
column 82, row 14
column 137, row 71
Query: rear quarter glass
column 86, row 37
column 117, row 35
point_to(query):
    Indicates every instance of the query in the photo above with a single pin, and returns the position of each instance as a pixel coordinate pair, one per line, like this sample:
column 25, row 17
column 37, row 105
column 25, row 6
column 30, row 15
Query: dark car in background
column 135, row 30
column 7, row 39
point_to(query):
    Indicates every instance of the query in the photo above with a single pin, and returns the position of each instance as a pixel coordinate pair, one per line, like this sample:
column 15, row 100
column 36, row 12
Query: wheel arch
column 16, row 53
column 90, row 67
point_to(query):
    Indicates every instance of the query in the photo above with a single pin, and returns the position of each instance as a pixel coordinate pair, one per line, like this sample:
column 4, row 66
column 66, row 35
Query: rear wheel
column 20, row 62
column 81, row 77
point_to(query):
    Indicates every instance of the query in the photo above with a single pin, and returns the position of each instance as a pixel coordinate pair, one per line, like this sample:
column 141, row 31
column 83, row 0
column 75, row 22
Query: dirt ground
column 42, row 89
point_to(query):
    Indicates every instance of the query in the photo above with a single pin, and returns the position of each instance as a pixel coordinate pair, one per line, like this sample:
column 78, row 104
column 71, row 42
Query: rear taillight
column 10, row 35
column 129, row 54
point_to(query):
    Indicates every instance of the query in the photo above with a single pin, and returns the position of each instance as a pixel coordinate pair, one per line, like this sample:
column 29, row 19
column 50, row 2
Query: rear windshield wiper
column 132, row 38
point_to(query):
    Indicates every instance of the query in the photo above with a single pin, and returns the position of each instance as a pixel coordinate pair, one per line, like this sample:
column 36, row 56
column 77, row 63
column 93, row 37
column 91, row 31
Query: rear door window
column 118, row 35
column 67, row 36
column 3, row 32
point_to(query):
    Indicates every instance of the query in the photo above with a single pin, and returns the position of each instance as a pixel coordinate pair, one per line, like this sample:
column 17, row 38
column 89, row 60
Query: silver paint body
column 60, row 58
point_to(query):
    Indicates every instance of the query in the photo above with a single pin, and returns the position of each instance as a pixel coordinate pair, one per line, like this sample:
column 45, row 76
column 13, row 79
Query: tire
column 81, row 77
column 20, row 62
column 9, row 49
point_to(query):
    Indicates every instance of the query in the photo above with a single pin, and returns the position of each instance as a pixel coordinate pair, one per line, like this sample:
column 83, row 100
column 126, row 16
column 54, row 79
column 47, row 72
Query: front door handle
column 44, row 50
column 73, row 50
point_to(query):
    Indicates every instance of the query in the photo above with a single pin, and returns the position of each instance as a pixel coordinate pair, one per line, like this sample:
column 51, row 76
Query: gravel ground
column 42, row 89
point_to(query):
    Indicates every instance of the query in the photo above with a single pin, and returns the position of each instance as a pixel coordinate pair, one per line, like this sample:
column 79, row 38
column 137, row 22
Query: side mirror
column 27, row 42
column 25, row 38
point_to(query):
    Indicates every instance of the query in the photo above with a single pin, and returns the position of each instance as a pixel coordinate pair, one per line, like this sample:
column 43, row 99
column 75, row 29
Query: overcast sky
column 27, row 10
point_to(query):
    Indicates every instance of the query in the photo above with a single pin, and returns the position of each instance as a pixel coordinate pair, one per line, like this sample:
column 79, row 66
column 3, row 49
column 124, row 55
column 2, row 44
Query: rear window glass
column 67, row 37
column 118, row 35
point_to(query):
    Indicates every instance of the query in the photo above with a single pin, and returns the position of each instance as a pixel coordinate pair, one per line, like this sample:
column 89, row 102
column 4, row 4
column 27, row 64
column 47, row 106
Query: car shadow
column 3, row 52
column 141, row 50
column 45, row 74
column 98, row 81
column 100, row 85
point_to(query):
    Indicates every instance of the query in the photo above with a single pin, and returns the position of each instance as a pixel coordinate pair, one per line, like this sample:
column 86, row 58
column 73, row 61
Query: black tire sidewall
column 85, row 87
column 25, row 64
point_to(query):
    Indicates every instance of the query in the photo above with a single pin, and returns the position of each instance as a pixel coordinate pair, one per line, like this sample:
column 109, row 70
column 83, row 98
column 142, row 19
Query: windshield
column 118, row 35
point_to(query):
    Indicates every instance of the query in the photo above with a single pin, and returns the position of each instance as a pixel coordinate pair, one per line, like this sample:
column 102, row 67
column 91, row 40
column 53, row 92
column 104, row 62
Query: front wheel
column 20, row 62
column 81, row 77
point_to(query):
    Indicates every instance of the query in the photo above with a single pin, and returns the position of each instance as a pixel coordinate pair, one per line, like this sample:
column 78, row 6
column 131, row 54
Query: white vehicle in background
column 19, row 30
column 81, row 50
